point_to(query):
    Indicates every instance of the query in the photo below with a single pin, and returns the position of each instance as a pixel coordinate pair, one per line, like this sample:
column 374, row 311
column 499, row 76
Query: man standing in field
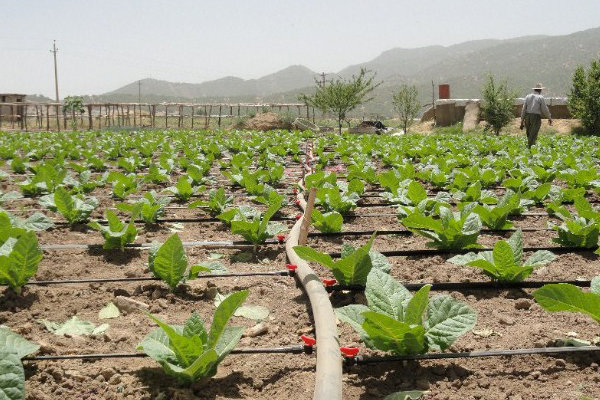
column 531, row 114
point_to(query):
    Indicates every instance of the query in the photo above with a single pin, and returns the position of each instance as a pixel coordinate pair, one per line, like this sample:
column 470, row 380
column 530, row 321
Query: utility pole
column 139, row 91
column 55, row 50
column 322, row 79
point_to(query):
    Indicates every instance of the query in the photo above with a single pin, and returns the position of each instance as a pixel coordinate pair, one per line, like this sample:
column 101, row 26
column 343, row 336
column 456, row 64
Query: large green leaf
column 12, row 377
column 169, row 263
column 595, row 285
column 14, row 343
column 309, row 254
column 566, row 297
column 446, row 320
column 22, row 262
column 186, row 349
column 74, row 327
column 224, row 312
column 386, row 295
column 413, row 315
column 64, row 203
column 352, row 314
column 540, row 257
column 503, row 255
column 405, row 395
column 388, row 334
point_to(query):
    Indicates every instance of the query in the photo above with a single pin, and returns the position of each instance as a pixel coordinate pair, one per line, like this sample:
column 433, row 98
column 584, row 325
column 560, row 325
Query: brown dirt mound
column 267, row 122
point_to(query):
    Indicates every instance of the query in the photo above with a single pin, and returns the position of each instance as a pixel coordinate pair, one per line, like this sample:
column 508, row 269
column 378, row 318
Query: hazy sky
column 106, row 44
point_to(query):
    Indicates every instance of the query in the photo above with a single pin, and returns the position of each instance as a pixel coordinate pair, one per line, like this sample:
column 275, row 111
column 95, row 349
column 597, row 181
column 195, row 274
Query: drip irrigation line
column 384, row 232
column 437, row 252
column 152, row 278
column 241, row 244
column 467, row 286
column 166, row 220
column 473, row 354
column 298, row 349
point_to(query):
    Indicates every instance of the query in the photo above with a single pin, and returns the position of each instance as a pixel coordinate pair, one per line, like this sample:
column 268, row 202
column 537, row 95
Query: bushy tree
column 497, row 107
column 342, row 96
column 74, row 105
column 406, row 104
column 584, row 99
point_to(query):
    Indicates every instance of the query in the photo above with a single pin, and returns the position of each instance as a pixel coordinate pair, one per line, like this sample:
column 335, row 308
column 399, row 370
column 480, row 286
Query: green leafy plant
column 577, row 230
column 170, row 263
column 354, row 265
column 19, row 258
column 450, row 231
column 13, row 347
column 190, row 352
column 123, row 185
column 184, row 190
column 217, row 201
column 74, row 209
column 495, row 218
column 333, row 199
column 396, row 321
column 149, row 207
column 330, row 222
column 566, row 297
column 505, row 263
column 258, row 228
column 117, row 234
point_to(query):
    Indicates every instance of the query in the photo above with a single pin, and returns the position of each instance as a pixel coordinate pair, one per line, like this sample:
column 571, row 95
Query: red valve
column 329, row 282
column 295, row 191
column 280, row 238
column 297, row 202
column 349, row 352
column 308, row 341
column 298, row 216
column 292, row 267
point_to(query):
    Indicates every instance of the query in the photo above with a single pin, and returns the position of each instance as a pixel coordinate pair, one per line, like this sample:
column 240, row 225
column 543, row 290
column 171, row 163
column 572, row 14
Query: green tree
column 497, row 107
column 584, row 99
column 74, row 105
column 340, row 96
column 406, row 104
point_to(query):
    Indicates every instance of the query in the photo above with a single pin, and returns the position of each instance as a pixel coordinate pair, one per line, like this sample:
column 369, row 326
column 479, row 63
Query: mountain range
column 521, row 61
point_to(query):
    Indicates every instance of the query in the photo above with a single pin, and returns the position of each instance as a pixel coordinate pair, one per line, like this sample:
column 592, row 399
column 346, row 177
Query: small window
column 19, row 99
column 4, row 99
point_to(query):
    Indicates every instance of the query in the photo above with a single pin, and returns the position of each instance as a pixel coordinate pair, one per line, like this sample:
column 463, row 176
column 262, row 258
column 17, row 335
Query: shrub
column 584, row 99
column 497, row 105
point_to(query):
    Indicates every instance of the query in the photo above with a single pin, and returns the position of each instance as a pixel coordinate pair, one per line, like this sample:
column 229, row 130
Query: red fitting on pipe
column 329, row 282
column 280, row 238
column 308, row 341
column 291, row 268
column 298, row 216
column 297, row 202
column 295, row 191
column 349, row 352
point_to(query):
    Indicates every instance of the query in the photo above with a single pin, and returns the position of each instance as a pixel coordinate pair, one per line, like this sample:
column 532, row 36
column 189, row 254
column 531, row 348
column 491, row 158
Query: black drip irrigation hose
column 236, row 244
column 298, row 349
column 360, row 360
column 152, row 278
column 467, row 286
column 439, row 252
column 408, row 233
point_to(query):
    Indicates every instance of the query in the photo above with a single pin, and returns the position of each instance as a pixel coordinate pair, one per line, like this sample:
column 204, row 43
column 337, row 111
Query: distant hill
column 522, row 61
column 282, row 81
